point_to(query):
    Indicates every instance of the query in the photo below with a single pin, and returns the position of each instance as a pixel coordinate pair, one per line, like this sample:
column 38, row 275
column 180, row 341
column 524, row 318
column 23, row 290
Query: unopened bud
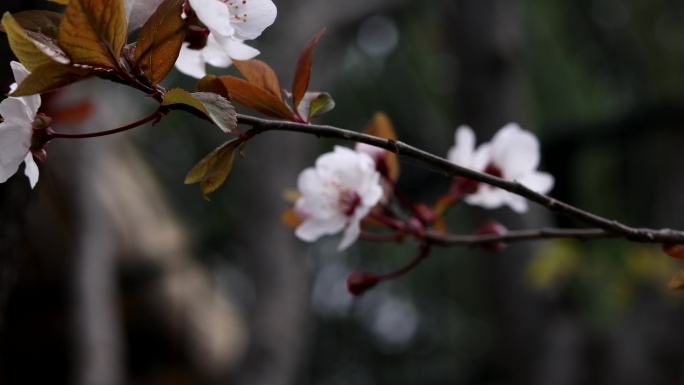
column 492, row 227
column 358, row 282
column 42, row 122
column 674, row 250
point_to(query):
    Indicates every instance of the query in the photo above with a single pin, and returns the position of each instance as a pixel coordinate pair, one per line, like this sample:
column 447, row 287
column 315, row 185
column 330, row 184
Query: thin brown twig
column 612, row 228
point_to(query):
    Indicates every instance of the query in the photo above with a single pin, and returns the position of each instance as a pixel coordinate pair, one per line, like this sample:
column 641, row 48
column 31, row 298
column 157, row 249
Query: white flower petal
column 463, row 150
column 240, row 51
column 540, row 182
column 31, row 169
column 351, row 234
column 251, row 17
column 214, row 14
column 516, row 202
column 15, row 141
column 482, row 157
column 314, row 228
column 15, row 110
column 515, row 151
column 191, row 62
column 215, row 53
column 32, row 102
column 487, row 197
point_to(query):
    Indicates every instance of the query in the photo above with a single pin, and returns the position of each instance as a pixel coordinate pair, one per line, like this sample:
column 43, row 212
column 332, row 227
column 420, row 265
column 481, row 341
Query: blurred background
column 114, row 272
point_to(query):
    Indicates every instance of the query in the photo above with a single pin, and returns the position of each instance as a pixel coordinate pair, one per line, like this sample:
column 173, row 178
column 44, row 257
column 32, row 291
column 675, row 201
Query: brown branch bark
column 609, row 226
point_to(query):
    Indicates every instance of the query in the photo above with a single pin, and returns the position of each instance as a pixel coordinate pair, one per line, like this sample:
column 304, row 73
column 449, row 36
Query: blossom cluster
column 345, row 184
column 227, row 24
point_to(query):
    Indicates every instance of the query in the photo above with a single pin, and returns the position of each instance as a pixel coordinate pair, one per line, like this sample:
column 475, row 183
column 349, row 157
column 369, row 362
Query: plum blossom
column 336, row 195
column 16, row 131
column 229, row 24
column 512, row 154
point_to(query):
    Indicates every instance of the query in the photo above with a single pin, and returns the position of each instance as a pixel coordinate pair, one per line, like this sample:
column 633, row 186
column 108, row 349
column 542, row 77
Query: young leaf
column 677, row 282
column 315, row 104
column 211, row 83
column 213, row 170
column 49, row 77
column 207, row 105
column 160, row 41
column 256, row 98
column 381, row 126
column 22, row 45
column 93, row 32
column 261, row 75
column 44, row 22
column 303, row 71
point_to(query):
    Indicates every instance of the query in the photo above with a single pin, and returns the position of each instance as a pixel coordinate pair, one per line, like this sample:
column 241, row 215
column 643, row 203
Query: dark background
column 114, row 272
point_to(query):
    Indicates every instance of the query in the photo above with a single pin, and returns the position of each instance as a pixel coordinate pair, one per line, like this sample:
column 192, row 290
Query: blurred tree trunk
column 488, row 37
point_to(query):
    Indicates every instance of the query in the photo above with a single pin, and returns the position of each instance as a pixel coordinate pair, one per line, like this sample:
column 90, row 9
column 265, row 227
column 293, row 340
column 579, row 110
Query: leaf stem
column 155, row 116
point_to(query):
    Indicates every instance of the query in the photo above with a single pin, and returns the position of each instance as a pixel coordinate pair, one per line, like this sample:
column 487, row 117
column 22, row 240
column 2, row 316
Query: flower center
column 493, row 170
column 349, row 202
column 197, row 37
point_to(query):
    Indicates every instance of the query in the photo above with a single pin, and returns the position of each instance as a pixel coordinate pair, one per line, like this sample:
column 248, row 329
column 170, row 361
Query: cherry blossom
column 512, row 154
column 230, row 23
column 16, row 131
column 336, row 195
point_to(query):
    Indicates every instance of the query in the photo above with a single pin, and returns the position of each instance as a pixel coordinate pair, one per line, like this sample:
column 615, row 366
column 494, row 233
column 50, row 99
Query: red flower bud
column 359, row 281
column 492, row 227
column 674, row 250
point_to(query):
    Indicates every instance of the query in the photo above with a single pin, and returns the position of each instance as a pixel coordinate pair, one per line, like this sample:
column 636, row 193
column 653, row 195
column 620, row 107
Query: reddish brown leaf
column 303, row 72
column 93, row 32
column 261, row 75
column 381, row 126
column 160, row 40
column 256, row 98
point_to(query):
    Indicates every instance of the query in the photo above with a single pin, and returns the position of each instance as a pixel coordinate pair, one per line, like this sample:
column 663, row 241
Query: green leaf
column 321, row 104
column 160, row 41
column 213, row 170
column 93, row 32
column 207, row 105
column 49, row 77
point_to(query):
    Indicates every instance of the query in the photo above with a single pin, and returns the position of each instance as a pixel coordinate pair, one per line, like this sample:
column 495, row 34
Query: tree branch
column 611, row 228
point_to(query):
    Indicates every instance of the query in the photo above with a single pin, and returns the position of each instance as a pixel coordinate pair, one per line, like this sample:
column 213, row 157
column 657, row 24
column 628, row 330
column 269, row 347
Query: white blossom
column 230, row 23
column 336, row 195
column 512, row 154
column 16, row 131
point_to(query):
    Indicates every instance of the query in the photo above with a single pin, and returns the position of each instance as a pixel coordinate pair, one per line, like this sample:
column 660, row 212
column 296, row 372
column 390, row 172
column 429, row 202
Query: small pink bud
column 674, row 250
column 492, row 227
column 358, row 282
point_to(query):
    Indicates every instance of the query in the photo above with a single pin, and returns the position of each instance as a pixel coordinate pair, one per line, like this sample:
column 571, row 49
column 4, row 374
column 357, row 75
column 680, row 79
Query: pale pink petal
column 15, row 141
column 15, row 110
column 314, row 228
column 516, row 202
column 540, row 182
column 240, row 51
column 487, row 197
column 190, row 62
column 20, row 72
column 515, row 151
column 482, row 157
column 251, row 17
column 214, row 14
column 350, row 235
column 463, row 150
column 215, row 53
column 31, row 169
